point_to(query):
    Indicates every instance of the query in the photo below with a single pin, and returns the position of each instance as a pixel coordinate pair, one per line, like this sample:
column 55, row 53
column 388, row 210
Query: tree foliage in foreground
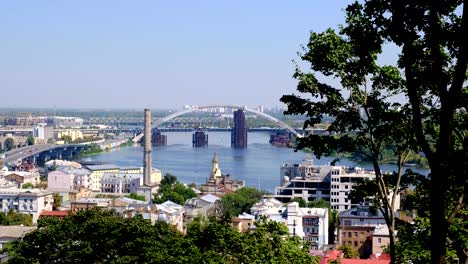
column 418, row 103
column 172, row 190
column 14, row 218
column 239, row 202
column 103, row 237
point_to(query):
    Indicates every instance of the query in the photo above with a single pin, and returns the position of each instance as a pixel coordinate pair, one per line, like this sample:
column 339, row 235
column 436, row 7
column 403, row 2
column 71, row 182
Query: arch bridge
column 276, row 121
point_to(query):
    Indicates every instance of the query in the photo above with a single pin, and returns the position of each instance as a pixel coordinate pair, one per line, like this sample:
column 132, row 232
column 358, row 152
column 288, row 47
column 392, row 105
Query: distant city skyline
column 154, row 54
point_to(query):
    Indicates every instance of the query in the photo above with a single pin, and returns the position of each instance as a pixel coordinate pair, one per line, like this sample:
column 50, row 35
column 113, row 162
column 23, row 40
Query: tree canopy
column 240, row 201
column 96, row 236
column 9, row 144
column 417, row 104
column 172, row 190
column 14, row 218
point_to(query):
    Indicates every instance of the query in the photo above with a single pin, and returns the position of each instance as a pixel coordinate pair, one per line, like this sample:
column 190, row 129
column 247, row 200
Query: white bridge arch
column 199, row 108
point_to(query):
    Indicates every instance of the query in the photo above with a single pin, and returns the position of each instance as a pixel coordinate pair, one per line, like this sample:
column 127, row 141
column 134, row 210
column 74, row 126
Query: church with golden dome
column 219, row 183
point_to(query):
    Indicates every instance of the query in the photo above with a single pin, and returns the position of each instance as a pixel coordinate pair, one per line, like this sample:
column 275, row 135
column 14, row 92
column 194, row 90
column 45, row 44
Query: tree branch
column 455, row 210
column 462, row 60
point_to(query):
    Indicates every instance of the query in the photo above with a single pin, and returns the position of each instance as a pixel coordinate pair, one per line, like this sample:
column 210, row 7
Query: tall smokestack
column 147, row 164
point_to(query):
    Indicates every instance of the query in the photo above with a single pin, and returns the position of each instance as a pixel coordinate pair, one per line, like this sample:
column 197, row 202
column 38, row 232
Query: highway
column 20, row 153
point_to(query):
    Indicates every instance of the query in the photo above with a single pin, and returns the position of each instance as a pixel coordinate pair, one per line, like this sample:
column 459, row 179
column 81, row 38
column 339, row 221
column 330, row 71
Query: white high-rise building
column 43, row 131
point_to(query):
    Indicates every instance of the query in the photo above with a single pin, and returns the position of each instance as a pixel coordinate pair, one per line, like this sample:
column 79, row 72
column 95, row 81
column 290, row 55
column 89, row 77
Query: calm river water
column 259, row 164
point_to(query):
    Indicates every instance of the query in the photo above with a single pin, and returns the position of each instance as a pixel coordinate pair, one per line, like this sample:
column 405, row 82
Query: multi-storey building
column 18, row 141
column 19, row 178
column 169, row 212
column 66, row 178
column 43, row 131
column 314, row 182
column 97, row 171
column 121, row 183
column 342, row 181
column 310, row 224
column 356, row 227
column 25, row 201
column 72, row 133
column 59, row 181
column 239, row 131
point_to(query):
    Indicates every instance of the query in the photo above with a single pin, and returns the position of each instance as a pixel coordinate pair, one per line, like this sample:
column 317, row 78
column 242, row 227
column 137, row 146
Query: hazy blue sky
column 158, row 54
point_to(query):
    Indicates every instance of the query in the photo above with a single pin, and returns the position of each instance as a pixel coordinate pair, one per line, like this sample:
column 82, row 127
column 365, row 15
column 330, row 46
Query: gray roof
column 15, row 231
column 362, row 212
column 102, row 167
column 209, row 198
column 75, row 171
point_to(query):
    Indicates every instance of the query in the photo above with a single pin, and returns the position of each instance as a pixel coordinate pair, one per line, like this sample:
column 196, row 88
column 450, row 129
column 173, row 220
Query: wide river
column 258, row 164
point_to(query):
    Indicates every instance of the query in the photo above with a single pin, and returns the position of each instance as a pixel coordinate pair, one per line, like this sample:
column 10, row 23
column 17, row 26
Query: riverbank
column 95, row 149
column 413, row 159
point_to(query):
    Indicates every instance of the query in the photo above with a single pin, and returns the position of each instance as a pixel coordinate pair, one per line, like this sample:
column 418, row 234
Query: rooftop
column 102, row 167
column 362, row 211
column 209, row 198
column 15, row 231
column 18, row 191
column 54, row 213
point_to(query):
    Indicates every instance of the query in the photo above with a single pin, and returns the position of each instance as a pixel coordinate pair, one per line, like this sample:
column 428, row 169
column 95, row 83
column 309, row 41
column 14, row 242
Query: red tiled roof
column 364, row 261
column 330, row 255
column 335, row 254
column 54, row 213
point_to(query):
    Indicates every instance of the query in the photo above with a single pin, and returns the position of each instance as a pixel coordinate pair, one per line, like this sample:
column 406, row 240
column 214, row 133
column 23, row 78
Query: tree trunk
column 438, row 221
column 391, row 232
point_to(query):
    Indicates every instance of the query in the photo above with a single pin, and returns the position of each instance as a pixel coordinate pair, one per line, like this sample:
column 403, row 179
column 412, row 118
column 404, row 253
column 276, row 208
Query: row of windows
column 334, row 186
column 350, row 243
column 16, row 200
column 310, row 221
column 337, row 207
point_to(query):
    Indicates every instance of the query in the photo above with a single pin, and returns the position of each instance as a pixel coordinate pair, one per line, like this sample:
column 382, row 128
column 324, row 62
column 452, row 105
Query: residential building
column 56, row 214
column 119, row 204
column 58, row 181
column 310, row 224
column 314, row 182
column 90, row 203
column 268, row 207
column 244, row 222
column 11, row 233
column 25, row 201
column 206, row 205
column 97, row 172
column 66, row 121
column 380, row 239
column 356, row 227
column 19, row 178
column 119, row 183
column 18, row 141
column 74, row 134
column 43, row 132
column 169, row 212
column 239, row 131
